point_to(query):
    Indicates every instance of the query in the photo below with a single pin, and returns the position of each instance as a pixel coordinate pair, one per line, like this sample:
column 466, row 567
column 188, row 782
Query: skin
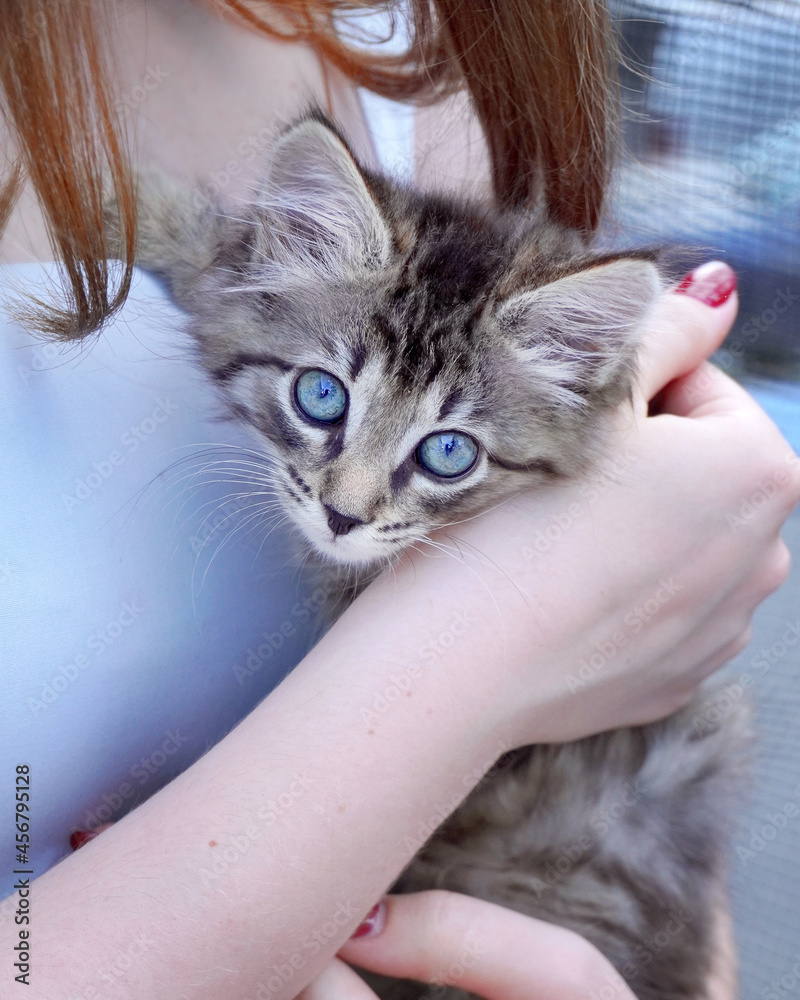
column 341, row 844
column 311, row 872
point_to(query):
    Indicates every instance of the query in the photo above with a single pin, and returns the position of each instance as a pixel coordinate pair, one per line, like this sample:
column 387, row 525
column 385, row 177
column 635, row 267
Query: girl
column 246, row 875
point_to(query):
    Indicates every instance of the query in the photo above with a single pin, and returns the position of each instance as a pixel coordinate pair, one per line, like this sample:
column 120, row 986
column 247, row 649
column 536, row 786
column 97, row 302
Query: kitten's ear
column 322, row 217
column 580, row 333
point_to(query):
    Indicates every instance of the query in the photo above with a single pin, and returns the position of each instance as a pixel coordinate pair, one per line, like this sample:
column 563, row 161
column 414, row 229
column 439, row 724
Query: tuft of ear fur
column 579, row 334
column 178, row 230
column 322, row 221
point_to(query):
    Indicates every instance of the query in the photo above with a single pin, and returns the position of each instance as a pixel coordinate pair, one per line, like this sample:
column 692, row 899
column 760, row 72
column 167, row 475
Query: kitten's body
column 444, row 325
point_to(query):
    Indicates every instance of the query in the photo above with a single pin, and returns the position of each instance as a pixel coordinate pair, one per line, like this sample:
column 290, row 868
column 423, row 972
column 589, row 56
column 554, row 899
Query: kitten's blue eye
column 321, row 396
column 447, row 454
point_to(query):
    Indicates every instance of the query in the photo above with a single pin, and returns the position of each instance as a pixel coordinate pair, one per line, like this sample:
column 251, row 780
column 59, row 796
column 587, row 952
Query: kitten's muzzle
column 341, row 524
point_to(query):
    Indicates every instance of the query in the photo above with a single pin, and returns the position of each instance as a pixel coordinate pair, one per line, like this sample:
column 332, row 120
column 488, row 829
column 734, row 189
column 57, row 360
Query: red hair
column 538, row 73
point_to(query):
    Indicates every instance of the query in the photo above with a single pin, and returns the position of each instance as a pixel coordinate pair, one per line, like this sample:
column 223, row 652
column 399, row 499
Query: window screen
column 712, row 160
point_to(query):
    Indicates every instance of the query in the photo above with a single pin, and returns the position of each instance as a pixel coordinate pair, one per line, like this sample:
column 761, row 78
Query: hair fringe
column 59, row 109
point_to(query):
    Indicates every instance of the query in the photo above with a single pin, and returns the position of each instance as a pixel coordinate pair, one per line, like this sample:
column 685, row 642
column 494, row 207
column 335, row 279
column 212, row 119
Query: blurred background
column 711, row 92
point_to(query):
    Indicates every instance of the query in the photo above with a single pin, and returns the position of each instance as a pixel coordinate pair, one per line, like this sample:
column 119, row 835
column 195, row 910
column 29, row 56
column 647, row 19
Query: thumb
column 688, row 324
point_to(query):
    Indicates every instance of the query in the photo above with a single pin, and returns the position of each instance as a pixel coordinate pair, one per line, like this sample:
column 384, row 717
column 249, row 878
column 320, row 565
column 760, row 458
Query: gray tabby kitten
column 408, row 360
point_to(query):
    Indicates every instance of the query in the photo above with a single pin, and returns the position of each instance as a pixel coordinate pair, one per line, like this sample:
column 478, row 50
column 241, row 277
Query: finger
column 337, row 981
column 732, row 650
column 763, row 581
column 775, row 571
column 720, row 658
column 723, row 979
column 706, row 391
column 455, row 940
column 80, row 837
column 686, row 329
column 781, row 564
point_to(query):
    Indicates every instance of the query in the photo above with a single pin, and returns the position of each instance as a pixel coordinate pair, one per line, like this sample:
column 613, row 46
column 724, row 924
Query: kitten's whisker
column 199, row 481
column 200, row 467
column 190, row 492
column 485, row 560
column 278, row 524
column 480, row 513
column 164, row 481
column 460, row 558
column 238, row 464
column 227, row 496
column 229, row 469
column 216, row 528
column 212, row 474
column 239, row 510
column 227, row 539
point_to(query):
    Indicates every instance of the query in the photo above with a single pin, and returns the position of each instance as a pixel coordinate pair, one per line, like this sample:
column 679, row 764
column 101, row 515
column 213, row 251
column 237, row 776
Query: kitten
column 408, row 360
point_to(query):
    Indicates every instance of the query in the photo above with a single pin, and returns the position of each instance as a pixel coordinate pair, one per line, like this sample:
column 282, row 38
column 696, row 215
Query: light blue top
column 144, row 607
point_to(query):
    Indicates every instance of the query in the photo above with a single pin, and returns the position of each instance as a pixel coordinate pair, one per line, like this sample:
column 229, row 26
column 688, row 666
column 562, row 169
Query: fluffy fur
column 439, row 315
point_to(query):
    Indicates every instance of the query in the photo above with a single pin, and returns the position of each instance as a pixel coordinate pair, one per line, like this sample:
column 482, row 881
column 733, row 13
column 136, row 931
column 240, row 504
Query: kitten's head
column 409, row 360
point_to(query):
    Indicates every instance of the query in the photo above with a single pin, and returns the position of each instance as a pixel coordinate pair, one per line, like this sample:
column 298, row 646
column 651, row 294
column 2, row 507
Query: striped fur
column 441, row 315
column 435, row 315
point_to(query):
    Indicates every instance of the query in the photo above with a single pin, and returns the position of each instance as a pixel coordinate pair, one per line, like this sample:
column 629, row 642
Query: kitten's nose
column 339, row 523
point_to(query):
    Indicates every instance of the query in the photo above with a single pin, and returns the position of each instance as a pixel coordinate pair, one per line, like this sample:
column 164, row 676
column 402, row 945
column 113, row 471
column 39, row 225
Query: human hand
column 446, row 938
column 611, row 599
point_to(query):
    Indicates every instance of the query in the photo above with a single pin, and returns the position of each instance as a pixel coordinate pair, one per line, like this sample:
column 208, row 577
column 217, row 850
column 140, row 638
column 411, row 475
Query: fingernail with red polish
column 373, row 923
column 712, row 283
column 81, row 837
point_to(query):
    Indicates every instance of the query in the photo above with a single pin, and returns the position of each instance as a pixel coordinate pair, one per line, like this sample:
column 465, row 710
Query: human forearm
column 434, row 671
column 270, row 849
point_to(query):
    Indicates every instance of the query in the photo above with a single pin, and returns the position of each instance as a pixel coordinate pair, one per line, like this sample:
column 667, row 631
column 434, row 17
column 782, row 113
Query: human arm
column 312, row 863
